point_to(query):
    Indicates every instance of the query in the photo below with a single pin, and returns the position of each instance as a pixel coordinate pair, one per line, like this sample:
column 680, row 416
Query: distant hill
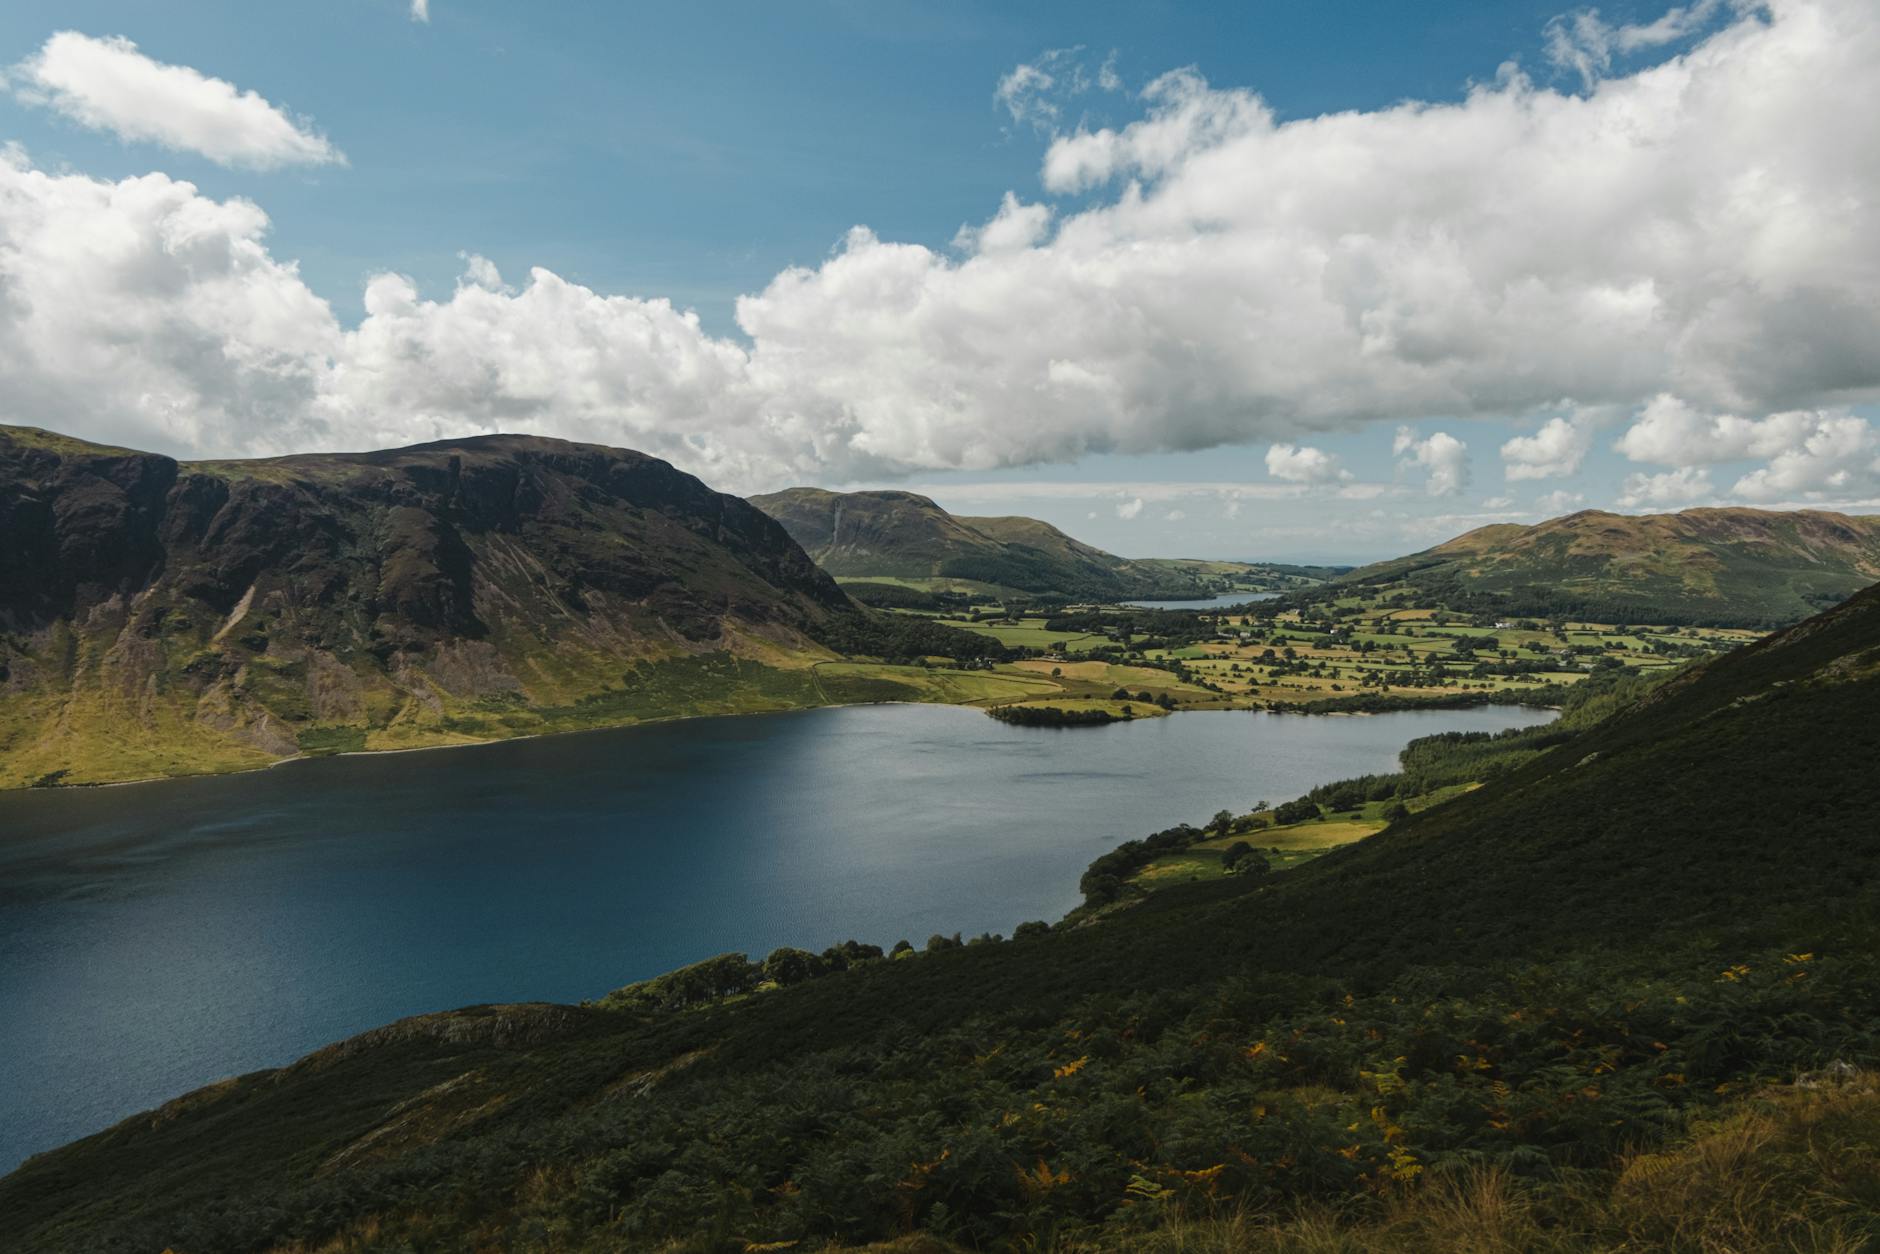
column 161, row 617
column 1534, row 989
column 901, row 535
column 1727, row 567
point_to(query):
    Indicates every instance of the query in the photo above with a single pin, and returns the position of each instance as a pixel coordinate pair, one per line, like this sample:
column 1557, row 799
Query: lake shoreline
column 359, row 895
column 88, row 786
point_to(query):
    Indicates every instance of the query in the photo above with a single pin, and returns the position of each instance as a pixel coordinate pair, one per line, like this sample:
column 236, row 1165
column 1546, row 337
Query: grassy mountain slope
column 897, row 534
column 1537, row 978
column 901, row 535
column 159, row 617
column 1730, row 567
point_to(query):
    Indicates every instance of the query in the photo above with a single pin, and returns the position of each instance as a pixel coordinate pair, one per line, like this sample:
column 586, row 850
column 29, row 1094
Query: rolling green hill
column 1726, row 567
column 900, row 535
column 1504, row 1022
column 159, row 617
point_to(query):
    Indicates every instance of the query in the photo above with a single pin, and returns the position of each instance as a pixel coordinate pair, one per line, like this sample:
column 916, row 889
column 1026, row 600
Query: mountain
column 1722, row 567
column 1519, row 1005
column 901, row 535
column 161, row 617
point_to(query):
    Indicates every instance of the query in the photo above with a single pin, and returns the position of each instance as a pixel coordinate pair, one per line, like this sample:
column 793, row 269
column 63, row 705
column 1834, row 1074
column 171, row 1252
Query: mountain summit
column 159, row 616
column 1729, row 567
column 902, row 535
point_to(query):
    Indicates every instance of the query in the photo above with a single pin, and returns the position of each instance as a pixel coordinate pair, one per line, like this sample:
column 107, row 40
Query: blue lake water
column 1206, row 603
column 159, row 936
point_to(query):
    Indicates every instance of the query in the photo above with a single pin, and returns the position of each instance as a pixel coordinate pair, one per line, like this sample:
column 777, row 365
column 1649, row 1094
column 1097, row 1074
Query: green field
column 1030, row 633
column 1361, row 649
column 977, row 589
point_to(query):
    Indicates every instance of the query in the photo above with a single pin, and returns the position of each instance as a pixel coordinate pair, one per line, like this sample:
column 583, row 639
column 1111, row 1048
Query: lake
column 159, row 936
column 1206, row 603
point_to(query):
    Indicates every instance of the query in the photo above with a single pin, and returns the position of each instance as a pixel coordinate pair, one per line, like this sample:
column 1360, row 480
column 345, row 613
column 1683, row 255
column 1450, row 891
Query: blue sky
column 695, row 152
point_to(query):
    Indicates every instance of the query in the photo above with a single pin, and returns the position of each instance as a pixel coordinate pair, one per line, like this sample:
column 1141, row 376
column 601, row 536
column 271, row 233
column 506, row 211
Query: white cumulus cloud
column 1670, row 432
column 1807, row 453
column 1129, row 509
column 1834, row 457
column 1297, row 464
column 108, row 85
column 1674, row 488
column 1706, row 228
column 1442, row 458
column 1556, row 449
column 1016, row 225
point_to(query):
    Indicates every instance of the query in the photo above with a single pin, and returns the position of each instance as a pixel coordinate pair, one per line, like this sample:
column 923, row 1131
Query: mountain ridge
column 159, row 616
column 902, row 535
column 1732, row 566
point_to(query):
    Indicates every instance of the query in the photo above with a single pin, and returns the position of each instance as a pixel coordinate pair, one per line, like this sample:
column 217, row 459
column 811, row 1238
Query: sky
column 1309, row 282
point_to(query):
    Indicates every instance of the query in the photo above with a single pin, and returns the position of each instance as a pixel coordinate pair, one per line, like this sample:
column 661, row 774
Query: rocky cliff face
column 154, row 612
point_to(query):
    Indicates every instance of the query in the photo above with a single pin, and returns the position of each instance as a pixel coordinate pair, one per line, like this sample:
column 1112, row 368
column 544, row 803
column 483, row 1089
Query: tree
column 1222, row 820
column 847, row 954
column 1300, row 811
column 1396, row 812
column 787, row 966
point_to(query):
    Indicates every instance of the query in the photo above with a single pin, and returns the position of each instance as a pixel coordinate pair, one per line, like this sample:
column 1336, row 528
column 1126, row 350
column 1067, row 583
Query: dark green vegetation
column 1727, row 567
column 1054, row 716
column 1433, row 769
column 160, row 618
column 899, row 536
column 1542, row 1002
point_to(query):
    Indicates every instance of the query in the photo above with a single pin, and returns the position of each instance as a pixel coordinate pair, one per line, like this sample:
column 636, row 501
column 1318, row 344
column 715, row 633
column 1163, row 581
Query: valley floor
column 1369, row 654
column 1587, row 1005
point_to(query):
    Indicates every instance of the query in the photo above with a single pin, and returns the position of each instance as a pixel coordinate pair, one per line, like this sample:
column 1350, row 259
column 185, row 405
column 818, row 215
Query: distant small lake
column 1206, row 603
column 159, row 936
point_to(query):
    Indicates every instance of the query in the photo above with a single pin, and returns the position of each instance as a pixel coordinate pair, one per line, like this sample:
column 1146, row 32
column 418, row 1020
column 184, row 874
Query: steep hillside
column 899, row 535
column 1518, row 987
column 896, row 534
column 1728, row 567
column 159, row 617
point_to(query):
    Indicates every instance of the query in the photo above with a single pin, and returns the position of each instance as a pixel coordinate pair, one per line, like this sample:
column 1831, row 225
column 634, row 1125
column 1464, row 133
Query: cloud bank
column 1704, row 229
